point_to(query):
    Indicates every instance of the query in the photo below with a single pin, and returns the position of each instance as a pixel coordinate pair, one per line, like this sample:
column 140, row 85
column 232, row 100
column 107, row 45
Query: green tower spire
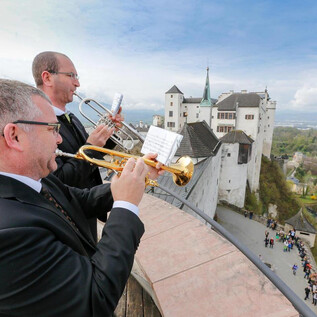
column 206, row 101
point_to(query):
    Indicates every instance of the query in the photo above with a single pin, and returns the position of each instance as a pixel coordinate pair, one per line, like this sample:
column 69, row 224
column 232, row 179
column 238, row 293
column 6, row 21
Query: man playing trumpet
column 55, row 74
column 49, row 263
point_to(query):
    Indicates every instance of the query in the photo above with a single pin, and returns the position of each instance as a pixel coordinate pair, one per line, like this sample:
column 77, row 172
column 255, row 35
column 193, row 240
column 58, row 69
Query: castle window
column 171, row 103
column 244, row 153
column 197, row 115
column 170, row 113
column 226, row 115
column 229, row 154
column 171, row 124
column 224, row 129
column 249, row 116
column 171, row 96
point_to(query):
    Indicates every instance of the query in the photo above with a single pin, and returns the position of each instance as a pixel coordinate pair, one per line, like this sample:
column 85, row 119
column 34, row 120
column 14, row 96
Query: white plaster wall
column 176, row 108
column 233, row 176
column 249, row 127
column 269, row 127
column 205, row 114
column 205, row 194
column 214, row 120
column 254, row 166
column 192, row 110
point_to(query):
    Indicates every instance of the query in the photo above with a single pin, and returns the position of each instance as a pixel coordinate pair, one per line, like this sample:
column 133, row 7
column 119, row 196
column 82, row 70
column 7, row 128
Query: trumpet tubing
column 121, row 137
column 182, row 170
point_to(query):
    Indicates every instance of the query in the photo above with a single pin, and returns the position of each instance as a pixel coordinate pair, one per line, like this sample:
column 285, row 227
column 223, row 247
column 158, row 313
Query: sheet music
column 116, row 103
column 163, row 142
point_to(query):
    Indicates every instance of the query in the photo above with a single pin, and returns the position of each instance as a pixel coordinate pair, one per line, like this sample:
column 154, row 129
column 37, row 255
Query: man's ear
column 47, row 78
column 12, row 136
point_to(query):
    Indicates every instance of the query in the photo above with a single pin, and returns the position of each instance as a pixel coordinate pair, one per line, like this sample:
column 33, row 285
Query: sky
column 142, row 48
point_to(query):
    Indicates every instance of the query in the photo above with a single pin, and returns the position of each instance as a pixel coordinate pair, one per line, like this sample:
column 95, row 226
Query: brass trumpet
column 123, row 136
column 182, row 170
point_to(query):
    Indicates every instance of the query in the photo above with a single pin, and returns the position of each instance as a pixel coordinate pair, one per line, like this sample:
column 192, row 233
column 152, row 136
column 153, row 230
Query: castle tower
column 174, row 118
column 206, row 103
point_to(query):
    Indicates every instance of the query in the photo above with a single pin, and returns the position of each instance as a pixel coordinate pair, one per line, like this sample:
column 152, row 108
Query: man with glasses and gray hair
column 49, row 263
column 55, row 74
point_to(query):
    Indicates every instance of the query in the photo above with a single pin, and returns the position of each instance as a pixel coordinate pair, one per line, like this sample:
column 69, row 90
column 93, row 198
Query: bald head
column 45, row 61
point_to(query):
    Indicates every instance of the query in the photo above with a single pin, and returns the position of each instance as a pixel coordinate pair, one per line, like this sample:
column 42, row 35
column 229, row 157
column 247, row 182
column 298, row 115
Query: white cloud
column 305, row 99
column 141, row 49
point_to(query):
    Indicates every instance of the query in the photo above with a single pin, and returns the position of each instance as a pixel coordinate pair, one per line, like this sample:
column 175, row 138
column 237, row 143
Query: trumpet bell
column 186, row 169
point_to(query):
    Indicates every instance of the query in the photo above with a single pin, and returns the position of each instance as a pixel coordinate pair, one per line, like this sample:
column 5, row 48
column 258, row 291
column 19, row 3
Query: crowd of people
column 289, row 241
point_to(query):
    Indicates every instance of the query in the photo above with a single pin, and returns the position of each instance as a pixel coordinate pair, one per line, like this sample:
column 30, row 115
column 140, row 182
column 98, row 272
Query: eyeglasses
column 56, row 126
column 70, row 74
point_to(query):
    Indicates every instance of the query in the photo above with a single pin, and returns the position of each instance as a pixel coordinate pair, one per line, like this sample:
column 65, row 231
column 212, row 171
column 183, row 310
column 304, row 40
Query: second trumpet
column 122, row 136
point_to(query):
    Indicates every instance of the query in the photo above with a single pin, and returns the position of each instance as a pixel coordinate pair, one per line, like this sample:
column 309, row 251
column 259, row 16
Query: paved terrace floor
column 252, row 234
column 190, row 270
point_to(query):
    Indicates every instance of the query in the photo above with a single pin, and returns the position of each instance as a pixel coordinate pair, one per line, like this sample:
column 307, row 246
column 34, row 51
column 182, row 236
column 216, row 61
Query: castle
column 226, row 138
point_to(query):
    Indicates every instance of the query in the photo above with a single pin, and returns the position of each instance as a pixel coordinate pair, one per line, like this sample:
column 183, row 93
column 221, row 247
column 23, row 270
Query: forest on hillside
column 273, row 190
column 287, row 140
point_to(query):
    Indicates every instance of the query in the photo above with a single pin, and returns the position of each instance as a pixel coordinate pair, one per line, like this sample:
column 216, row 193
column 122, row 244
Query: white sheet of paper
column 116, row 103
column 163, row 142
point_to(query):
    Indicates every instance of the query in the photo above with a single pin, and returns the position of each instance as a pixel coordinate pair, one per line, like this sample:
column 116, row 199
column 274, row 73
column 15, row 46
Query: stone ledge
column 192, row 271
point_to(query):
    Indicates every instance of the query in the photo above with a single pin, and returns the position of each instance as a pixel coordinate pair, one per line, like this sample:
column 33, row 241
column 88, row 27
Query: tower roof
column 236, row 136
column 206, row 101
column 174, row 90
column 198, row 140
column 299, row 222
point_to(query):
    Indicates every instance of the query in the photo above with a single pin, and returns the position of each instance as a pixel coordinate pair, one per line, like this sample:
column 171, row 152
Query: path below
column 252, row 234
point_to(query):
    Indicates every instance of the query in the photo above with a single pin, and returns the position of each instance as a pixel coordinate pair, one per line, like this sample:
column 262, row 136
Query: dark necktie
column 68, row 120
column 48, row 196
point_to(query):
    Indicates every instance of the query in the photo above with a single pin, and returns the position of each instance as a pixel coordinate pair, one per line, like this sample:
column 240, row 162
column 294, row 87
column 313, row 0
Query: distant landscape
column 301, row 120
column 130, row 116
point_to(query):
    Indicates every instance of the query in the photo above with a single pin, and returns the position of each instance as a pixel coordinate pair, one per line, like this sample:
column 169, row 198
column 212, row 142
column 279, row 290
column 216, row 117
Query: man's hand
column 117, row 119
column 100, row 135
column 130, row 185
column 154, row 172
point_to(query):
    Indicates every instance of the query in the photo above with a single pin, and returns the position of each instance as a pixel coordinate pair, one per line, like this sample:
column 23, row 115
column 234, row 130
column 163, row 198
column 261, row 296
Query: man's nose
column 59, row 139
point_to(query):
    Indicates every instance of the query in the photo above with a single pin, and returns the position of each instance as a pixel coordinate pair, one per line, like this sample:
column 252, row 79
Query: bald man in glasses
column 55, row 74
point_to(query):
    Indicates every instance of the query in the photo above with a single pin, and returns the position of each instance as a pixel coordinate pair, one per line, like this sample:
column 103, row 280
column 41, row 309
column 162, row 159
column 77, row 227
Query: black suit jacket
column 74, row 172
column 71, row 171
column 47, row 268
